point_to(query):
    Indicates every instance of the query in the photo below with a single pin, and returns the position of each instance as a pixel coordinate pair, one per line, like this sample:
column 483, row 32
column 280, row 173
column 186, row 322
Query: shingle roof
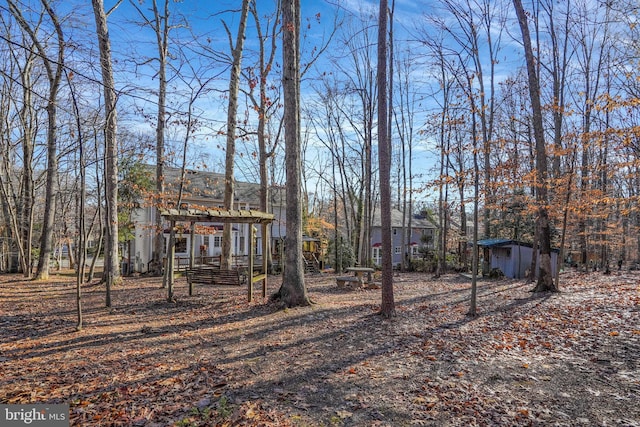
column 209, row 186
column 396, row 220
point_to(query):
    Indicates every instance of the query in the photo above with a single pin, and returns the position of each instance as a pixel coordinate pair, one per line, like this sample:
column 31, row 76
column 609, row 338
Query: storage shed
column 512, row 257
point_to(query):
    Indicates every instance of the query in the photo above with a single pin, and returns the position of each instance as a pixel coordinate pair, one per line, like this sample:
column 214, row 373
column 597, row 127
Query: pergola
column 193, row 216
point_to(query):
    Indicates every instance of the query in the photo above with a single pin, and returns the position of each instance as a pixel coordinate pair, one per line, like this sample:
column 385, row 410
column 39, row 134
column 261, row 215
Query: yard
column 571, row 358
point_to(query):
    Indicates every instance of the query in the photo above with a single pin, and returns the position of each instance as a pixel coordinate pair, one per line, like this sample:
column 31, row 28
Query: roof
column 209, row 186
column 496, row 242
column 501, row 242
column 216, row 215
column 396, row 220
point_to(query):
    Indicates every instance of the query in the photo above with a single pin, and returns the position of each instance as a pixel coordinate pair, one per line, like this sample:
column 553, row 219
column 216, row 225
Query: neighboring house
column 512, row 257
column 422, row 237
column 202, row 190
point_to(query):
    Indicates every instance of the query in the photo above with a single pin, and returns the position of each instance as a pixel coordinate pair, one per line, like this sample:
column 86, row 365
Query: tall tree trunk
column 232, row 111
column 293, row 291
column 545, row 278
column 25, row 209
column 162, row 40
column 81, row 246
column 387, row 308
column 111, row 260
column 265, row 63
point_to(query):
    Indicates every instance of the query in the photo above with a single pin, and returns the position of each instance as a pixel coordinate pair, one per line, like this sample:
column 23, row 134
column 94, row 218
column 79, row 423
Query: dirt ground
column 567, row 359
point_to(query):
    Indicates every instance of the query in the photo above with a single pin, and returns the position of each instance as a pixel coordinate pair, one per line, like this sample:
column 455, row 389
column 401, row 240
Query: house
column 512, row 257
column 422, row 236
column 203, row 190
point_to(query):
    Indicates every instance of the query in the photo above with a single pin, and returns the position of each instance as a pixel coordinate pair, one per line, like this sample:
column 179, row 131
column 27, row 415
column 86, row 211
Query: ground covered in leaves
column 571, row 358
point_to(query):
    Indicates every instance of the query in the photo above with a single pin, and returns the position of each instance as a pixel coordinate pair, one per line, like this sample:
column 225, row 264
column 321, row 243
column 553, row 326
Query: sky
column 134, row 49
column 206, row 18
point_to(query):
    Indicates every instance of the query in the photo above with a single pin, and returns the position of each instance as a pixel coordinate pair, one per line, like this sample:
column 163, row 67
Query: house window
column 217, row 241
column 181, row 244
column 205, row 241
column 395, row 231
column 397, row 249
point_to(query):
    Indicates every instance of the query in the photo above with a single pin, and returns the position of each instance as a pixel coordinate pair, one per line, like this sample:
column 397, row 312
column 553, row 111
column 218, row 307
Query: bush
column 496, row 273
column 421, row 265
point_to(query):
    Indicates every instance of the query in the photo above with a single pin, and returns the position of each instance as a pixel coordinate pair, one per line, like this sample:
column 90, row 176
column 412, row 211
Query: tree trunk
column 262, row 105
column 293, row 291
column 25, row 210
column 387, row 308
column 81, row 246
column 232, row 110
column 545, row 277
column 111, row 260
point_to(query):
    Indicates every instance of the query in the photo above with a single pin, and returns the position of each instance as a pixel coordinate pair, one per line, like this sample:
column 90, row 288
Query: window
column 205, row 241
column 395, row 231
column 181, row 244
column 397, row 250
column 217, row 241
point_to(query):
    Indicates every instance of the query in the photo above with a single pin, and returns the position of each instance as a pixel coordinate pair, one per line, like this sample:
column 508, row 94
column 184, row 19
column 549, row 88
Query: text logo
column 34, row 415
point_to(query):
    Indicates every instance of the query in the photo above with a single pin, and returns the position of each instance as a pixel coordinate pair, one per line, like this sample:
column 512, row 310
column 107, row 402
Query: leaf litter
column 568, row 358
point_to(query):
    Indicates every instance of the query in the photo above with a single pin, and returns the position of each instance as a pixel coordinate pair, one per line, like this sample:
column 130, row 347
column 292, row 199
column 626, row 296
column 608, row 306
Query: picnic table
column 357, row 278
column 359, row 272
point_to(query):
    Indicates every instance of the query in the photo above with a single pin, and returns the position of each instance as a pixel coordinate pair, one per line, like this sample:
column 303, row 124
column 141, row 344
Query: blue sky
column 133, row 45
column 205, row 18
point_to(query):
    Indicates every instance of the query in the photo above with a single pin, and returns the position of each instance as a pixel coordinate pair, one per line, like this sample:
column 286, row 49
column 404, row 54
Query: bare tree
column 545, row 276
column 404, row 116
column 111, row 262
column 359, row 72
column 232, row 110
column 81, row 246
column 264, row 106
column 159, row 23
column 20, row 59
column 53, row 67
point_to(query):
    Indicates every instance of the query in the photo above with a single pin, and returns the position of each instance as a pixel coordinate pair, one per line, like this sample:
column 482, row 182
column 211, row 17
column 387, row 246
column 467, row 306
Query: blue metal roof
column 500, row 242
column 492, row 243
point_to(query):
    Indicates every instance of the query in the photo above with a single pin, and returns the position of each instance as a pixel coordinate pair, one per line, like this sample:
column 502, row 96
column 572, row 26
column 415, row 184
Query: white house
column 202, row 190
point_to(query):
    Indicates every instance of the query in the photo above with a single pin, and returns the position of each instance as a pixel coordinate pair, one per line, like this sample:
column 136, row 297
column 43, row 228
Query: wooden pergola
column 193, row 216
